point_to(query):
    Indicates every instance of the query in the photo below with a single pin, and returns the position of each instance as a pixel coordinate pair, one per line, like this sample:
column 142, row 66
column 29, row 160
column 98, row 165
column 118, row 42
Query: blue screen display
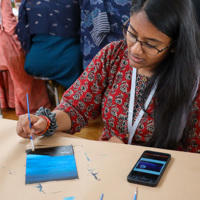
column 149, row 166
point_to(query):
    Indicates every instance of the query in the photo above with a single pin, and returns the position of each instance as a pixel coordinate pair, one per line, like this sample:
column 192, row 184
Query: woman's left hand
column 113, row 139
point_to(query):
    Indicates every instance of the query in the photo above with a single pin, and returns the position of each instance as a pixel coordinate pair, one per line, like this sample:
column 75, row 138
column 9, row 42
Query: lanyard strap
column 132, row 128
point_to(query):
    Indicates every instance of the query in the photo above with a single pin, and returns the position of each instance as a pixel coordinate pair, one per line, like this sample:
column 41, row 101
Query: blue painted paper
column 58, row 166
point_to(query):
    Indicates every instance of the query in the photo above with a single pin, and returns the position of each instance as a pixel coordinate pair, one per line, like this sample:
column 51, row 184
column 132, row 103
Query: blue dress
column 49, row 32
column 55, row 57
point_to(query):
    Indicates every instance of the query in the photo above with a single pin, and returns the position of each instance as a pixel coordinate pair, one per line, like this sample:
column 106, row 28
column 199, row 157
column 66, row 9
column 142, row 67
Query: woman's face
column 145, row 31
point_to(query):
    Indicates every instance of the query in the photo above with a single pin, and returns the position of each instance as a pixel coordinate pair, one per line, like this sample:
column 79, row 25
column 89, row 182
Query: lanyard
column 132, row 128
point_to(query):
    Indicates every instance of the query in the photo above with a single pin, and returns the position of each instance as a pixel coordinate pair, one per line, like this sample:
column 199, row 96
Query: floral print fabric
column 104, row 88
column 101, row 23
column 54, row 17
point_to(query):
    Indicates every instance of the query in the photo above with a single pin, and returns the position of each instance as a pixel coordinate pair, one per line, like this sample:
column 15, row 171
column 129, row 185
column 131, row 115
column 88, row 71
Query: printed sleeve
column 82, row 101
column 193, row 139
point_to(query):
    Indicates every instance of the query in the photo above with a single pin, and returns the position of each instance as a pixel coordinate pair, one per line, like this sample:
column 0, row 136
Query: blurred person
column 101, row 23
column 49, row 32
column 197, row 9
column 14, row 82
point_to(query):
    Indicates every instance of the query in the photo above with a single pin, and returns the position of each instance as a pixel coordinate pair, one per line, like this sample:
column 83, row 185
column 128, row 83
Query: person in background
column 14, row 82
column 101, row 23
column 197, row 8
column 49, row 32
column 146, row 86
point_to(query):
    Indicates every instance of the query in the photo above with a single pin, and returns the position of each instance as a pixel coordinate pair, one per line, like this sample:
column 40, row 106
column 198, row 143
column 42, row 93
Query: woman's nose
column 136, row 48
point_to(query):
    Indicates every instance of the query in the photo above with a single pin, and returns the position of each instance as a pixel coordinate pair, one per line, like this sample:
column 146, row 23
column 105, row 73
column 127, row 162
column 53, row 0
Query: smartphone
column 149, row 168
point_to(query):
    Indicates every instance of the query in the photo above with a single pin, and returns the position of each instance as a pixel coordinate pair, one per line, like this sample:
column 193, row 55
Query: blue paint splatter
column 87, row 157
column 69, row 198
column 39, row 187
column 94, row 174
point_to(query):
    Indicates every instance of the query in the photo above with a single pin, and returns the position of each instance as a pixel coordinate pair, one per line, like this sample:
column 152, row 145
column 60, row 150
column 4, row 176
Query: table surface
column 109, row 161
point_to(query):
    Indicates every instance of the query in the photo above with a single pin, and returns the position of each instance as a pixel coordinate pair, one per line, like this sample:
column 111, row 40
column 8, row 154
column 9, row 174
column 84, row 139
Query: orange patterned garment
column 14, row 82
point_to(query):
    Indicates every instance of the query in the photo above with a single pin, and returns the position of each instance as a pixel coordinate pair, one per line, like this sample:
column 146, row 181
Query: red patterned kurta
column 104, row 87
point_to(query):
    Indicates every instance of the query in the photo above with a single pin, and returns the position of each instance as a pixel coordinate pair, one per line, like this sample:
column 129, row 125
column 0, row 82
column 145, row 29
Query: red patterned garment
column 104, row 88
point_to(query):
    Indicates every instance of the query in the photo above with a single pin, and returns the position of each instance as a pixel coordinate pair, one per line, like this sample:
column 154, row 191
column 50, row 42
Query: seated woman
column 15, row 82
column 49, row 33
column 146, row 86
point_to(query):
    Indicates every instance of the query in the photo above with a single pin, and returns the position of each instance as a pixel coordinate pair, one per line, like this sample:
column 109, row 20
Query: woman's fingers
column 23, row 125
column 38, row 124
column 23, row 129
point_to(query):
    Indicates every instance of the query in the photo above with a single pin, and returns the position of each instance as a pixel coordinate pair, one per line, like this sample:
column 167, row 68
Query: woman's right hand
column 38, row 125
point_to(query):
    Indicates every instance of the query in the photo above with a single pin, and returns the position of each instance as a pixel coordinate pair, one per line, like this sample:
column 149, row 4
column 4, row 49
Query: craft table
column 102, row 168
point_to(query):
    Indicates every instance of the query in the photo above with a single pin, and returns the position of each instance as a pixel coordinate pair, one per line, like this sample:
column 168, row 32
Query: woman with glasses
column 146, row 86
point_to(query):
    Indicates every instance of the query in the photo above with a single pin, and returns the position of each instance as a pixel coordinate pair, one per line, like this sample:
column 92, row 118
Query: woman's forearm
column 63, row 120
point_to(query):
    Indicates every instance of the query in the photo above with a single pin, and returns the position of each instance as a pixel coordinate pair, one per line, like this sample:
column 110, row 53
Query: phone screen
column 149, row 168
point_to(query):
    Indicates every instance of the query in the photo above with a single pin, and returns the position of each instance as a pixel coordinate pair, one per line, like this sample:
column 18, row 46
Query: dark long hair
column 178, row 73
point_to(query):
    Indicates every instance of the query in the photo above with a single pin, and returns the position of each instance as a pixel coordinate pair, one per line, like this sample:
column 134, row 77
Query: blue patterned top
column 54, row 17
column 101, row 22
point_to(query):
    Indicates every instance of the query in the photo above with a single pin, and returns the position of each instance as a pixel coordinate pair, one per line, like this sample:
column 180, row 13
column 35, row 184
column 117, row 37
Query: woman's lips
column 136, row 59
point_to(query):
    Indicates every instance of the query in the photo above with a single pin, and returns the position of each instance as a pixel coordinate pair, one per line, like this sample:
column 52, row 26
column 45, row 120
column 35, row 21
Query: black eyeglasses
column 151, row 50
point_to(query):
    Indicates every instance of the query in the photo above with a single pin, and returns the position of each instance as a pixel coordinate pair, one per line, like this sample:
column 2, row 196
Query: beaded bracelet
column 48, row 125
column 51, row 116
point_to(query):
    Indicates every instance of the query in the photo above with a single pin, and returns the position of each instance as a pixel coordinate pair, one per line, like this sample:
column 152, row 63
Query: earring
column 172, row 50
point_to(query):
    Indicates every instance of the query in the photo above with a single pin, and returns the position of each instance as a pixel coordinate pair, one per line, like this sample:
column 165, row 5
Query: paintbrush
column 33, row 149
column 102, row 196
